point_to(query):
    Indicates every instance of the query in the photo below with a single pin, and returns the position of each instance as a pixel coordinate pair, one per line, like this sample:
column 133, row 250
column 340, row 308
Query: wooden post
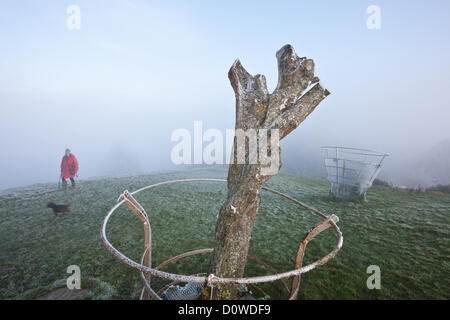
column 139, row 211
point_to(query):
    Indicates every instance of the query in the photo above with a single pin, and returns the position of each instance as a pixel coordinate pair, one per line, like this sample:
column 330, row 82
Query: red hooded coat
column 69, row 166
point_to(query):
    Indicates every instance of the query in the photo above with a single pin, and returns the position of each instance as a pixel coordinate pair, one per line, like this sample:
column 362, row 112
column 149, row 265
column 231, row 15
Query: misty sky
column 115, row 90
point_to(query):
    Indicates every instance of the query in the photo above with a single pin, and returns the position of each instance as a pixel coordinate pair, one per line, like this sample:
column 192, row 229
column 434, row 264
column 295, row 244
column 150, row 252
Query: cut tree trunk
column 257, row 111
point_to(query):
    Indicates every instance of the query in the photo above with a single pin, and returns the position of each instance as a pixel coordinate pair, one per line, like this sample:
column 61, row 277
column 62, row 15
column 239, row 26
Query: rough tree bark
column 256, row 109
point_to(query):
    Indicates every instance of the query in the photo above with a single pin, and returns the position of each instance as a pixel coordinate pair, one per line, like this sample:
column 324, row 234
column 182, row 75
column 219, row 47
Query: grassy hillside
column 405, row 233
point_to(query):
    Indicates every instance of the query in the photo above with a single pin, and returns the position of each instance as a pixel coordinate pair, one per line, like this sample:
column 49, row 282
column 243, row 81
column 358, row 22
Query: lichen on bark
column 256, row 109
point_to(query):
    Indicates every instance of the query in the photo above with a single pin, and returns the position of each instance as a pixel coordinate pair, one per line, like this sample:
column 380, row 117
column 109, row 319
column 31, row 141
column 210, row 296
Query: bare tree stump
column 257, row 111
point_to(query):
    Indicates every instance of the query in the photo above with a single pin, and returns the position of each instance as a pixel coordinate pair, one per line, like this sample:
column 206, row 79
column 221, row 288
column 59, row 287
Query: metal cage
column 351, row 171
column 198, row 281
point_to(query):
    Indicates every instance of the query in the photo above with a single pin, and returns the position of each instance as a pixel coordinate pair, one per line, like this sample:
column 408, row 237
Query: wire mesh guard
column 195, row 283
column 351, row 171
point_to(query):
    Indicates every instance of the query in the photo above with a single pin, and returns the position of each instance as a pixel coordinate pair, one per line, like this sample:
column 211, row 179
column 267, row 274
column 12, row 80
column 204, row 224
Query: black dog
column 59, row 208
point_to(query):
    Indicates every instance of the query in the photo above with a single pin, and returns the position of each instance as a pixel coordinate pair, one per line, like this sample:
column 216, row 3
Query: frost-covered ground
column 405, row 233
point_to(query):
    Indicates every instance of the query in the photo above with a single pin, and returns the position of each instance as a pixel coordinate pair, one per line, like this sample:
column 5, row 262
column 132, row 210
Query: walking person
column 69, row 168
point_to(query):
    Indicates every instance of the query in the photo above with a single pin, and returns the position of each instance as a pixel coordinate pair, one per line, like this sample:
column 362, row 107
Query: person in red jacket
column 69, row 168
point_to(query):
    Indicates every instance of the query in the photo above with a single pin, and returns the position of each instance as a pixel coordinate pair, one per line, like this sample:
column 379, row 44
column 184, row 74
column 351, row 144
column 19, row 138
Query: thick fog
column 114, row 90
